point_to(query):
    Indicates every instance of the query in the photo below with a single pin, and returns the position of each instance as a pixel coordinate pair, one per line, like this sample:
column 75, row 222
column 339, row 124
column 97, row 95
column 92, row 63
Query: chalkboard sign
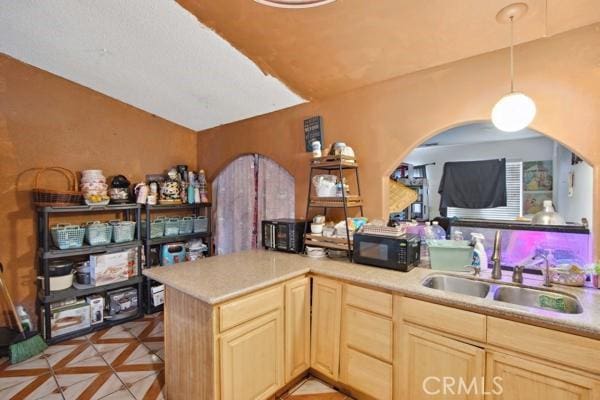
column 313, row 131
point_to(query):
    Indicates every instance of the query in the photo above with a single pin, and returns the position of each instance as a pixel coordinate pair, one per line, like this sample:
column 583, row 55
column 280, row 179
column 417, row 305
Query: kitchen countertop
column 217, row 279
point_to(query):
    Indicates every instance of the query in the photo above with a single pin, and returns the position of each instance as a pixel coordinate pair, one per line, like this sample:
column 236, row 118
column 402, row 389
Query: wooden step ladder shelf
column 340, row 166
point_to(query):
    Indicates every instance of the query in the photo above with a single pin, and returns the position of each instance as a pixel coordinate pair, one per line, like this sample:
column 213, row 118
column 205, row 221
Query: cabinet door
column 325, row 329
column 297, row 327
column 510, row 377
column 252, row 359
column 436, row 367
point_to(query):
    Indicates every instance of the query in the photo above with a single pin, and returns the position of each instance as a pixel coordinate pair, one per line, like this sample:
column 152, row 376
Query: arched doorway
column 534, row 168
column 251, row 188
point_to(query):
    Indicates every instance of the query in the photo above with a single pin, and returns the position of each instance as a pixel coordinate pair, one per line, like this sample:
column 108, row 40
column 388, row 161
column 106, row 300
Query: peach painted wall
column 385, row 121
column 46, row 120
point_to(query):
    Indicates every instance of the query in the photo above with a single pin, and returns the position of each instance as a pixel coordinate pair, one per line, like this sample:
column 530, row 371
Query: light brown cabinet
column 252, row 359
column 325, row 326
column 436, row 367
column 375, row 344
column 297, row 327
column 510, row 377
column 366, row 346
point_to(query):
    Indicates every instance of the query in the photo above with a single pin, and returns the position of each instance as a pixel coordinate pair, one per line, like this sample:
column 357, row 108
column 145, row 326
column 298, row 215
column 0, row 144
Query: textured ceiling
column 153, row 55
column 351, row 43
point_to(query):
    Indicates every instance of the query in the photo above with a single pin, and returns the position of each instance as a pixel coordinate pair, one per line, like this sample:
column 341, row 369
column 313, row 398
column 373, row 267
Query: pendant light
column 294, row 3
column 515, row 110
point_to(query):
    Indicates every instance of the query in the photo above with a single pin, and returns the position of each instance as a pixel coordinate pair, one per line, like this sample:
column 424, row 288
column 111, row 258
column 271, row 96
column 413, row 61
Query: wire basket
column 67, row 236
column 186, row 225
column 157, row 228
column 200, row 224
column 172, row 227
column 98, row 233
column 123, row 231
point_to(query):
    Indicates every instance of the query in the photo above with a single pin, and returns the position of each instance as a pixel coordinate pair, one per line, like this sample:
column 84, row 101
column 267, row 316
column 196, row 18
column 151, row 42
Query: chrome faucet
column 547, row 281
column 517, row 276
column 497, row 268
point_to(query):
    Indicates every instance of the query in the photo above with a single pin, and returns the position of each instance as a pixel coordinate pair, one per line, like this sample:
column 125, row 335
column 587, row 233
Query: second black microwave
column 401, row 253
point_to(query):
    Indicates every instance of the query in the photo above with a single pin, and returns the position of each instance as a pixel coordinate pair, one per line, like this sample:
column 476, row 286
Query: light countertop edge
column 220, row 281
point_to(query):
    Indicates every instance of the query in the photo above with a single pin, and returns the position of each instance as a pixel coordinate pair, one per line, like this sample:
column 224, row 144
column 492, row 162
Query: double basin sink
column 537, row 298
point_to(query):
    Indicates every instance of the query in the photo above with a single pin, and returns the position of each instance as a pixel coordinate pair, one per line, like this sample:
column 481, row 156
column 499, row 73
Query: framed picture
column 533, row 202
column 537, row 176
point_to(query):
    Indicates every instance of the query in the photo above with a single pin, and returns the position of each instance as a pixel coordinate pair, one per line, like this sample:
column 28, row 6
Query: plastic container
column 438, row 232
column 123, row 231
column 200, row 224
column 186, row 225
column 67, row 236
column 450, row 255
column 157, row 228
column 172, row 227
column 98, row 233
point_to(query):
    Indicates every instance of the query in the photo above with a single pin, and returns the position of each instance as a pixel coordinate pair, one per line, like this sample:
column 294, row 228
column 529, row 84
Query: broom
column 26, row 344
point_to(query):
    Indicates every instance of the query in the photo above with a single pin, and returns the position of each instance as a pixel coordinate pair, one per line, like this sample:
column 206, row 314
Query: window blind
column 514, row 200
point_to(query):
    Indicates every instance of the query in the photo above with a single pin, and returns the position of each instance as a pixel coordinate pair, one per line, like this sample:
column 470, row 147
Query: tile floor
column 314, row 389
column 124, row 362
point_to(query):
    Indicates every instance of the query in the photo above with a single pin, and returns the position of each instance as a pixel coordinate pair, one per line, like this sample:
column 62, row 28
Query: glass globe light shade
column 513, row 112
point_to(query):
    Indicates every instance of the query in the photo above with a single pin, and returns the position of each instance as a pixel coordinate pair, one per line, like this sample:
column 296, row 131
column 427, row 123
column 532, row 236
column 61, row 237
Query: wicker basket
column 98, row 233
column 43, row 197
column 123, row 231
column 67, row 236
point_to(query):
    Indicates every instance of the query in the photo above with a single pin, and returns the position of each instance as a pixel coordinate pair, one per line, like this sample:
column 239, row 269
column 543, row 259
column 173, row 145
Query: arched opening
column 473, row 177
column 249, row 189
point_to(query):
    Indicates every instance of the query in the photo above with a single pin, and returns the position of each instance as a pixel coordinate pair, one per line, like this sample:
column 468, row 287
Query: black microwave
column 283, row 234
column 401, row 253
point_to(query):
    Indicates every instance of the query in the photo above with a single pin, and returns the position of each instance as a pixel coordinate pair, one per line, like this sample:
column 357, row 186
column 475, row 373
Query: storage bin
column 123, row 231
column 186, row 225
column 67, row 236
column 172, row 227
column 157, row 228
column 450, row 255
column 200, row 224
column 98, row 233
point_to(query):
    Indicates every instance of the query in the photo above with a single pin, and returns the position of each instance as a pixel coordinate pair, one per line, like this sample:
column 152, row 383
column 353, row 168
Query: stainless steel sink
column 457, row 285
column 543, row 299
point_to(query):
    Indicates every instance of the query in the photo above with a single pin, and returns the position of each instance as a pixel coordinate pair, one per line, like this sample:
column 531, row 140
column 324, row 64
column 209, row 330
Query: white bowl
column 316, row 228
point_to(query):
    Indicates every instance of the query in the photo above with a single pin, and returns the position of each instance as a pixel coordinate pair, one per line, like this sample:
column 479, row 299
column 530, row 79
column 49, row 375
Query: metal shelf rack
column 199, row 209
column 46, row 253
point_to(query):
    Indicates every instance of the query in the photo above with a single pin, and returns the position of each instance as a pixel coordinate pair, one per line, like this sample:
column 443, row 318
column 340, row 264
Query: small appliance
column 283, row 234
column 172, row 253
column 401, row 253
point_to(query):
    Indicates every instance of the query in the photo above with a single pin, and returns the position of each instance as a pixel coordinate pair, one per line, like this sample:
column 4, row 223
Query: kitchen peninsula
column 251, row 324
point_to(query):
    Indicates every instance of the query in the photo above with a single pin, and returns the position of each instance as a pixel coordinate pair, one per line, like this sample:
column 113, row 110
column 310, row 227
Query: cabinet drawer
column 367, row 374
column 560, row 347
column 446, row 319
column 368, row 299
column 250, row 307
column 368, row 333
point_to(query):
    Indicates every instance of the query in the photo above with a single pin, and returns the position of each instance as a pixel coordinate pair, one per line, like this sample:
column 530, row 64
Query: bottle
column 24, row 317
column 426, row 234
column 480, row 258
column 457, row 235
column 438, row 231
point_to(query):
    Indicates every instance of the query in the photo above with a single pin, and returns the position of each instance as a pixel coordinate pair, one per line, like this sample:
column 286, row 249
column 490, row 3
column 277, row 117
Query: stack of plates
column 315, row 252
